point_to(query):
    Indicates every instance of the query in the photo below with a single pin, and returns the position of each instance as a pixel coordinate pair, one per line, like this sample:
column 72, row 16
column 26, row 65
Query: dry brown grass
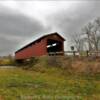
column 87, row 67
column 77, row 65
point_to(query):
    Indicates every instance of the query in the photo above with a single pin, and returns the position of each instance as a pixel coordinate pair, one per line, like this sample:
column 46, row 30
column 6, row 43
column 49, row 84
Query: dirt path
column 7, row 67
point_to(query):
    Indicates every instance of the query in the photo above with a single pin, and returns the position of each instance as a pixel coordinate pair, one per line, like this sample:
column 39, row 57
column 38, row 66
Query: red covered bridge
column 42, row 46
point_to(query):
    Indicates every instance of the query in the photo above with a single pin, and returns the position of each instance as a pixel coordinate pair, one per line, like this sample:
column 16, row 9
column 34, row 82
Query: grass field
column 50, row 84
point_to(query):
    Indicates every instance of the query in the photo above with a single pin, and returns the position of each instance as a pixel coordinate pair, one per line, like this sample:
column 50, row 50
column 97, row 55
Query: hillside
column 42, row 82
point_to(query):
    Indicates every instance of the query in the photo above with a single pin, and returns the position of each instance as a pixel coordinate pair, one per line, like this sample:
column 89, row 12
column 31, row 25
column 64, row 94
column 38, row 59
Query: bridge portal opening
column 54, row 46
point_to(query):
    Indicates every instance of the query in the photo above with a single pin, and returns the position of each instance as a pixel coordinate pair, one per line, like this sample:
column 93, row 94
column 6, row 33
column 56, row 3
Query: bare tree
column 89, row 37
column 77, row 41
column 87, row 31
column 92, row 32
column 96, row 34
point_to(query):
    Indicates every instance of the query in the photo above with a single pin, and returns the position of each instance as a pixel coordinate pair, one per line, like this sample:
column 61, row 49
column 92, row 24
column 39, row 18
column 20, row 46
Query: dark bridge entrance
column 54, row 46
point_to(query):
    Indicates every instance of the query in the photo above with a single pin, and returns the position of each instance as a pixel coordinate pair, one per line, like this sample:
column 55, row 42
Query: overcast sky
column 22, row 21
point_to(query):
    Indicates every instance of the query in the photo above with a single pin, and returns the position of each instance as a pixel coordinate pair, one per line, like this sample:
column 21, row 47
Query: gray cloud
column 15, row 28
column 17, row 24
column 7, row 46
column 74, row 19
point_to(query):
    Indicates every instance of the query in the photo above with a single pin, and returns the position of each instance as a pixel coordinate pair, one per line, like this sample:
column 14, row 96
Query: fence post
column 74, row 53
column 87, row 53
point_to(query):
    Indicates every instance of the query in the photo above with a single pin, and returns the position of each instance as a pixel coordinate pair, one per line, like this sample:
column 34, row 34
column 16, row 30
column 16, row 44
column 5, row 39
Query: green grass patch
column 19, row 84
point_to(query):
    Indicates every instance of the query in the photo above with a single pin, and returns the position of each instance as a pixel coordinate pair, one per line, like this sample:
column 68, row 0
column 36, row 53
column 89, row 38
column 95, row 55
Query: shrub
column 7, row 61
column 27, row 64
column 54, row 61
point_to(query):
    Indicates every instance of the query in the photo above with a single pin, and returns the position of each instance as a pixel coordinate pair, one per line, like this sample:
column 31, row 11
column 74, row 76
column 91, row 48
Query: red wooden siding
column 38, row 48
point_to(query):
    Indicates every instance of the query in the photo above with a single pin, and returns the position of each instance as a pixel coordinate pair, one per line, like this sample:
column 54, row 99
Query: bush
column 7, row 61
column 54, row 61
column 67, row 64
column 27, row 63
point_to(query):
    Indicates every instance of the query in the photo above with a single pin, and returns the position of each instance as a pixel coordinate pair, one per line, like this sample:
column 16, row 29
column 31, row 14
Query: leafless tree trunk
column 87, row 31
